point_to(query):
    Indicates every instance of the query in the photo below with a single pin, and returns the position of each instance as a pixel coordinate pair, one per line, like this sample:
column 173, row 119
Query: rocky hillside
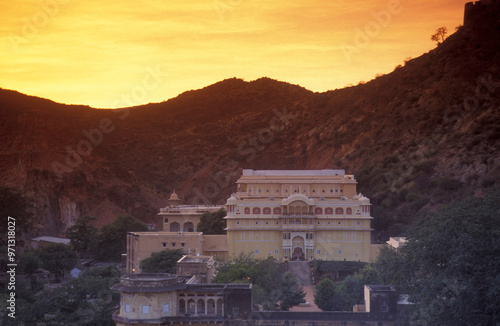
column 416, row 138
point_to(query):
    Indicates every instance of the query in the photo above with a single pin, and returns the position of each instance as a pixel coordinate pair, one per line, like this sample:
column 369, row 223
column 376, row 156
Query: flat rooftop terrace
column 326, row 172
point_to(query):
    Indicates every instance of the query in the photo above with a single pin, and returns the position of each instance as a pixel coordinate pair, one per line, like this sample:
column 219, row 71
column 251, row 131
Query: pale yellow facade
column 161, row 299
column 302, row 214
column 152, row 305
column 216, row 246
column 176, row 217
column 141, row 245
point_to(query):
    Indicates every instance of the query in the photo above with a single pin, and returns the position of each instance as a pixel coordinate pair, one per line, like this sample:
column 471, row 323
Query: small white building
column 43, row 241
column 397, row 242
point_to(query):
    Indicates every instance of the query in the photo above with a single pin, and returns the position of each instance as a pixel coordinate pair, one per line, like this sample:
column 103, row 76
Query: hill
column 415, row 139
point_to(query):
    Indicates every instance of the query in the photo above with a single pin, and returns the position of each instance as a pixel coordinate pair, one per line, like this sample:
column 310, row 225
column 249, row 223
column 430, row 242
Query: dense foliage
column 335, row 269
column 112, row 241
column 450, row 265
column 109, row 242
column 342, row 296
column 212, row 222
column 324, row 297
column 86, row 300
column 83, row 235
column 29, row 262
column 162, row 262
column 350, row 291
column 449, row 268
column 57, row 258
column 272, row 287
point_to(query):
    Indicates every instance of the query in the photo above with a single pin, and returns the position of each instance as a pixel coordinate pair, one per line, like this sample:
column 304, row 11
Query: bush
column 162, row 262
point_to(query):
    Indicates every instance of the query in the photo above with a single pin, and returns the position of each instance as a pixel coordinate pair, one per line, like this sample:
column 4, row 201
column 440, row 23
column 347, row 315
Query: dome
column 363, row 199
column 174, row 196
column 300, row 197
column 232, row 200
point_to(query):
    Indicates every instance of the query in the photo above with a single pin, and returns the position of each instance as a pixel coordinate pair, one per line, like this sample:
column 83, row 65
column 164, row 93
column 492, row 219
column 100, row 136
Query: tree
column 29, row 262
column 440, row 35
column 212, row 222
column 351, row 290
column 325, row 297
column 390, row 266
column 83, row 235
column 86, row 300
column 291, row 294
column 113, row 237
column 451, row 264
column 272, row 287
column 57, row 258
column 238, row 270
column 162, row 262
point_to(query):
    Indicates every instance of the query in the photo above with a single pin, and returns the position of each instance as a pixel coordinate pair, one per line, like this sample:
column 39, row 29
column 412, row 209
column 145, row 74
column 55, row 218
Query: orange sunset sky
column 118, row 53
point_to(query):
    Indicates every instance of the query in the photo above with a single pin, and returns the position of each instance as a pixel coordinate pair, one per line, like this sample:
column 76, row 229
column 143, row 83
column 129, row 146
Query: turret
column 174, row 199
column 480, row 10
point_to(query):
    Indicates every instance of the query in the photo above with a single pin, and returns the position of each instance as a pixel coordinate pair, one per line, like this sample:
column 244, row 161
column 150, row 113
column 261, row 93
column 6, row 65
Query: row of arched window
column 317, row 211
column 265, row 210
column 188, row 227
column 329, row 211
column 200, row 307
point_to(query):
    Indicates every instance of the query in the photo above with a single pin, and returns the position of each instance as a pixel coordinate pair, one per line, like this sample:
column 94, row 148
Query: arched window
column 200, row 306
column 219, row 307
column 188, row 227
column 182, row 306
column 256, row 210
column 328, row 210
column 175, row 227
column 277, row 211
column 191, row 307
column 318, row 211
column 211, row 306
column 247, row 210
column 348, row 211
column 267, row 210
column 339, row 211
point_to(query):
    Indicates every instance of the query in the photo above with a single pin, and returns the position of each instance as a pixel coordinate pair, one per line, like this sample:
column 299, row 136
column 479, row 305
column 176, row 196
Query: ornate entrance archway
column 298, row 248
column 298, row 254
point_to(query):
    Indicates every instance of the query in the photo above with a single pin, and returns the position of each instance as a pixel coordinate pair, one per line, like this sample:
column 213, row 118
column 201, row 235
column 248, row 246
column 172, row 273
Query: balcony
column 306, row 215
column 298, row 227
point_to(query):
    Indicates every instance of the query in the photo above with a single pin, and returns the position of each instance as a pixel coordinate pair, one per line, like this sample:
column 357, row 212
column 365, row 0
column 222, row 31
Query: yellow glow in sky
column 118, row 53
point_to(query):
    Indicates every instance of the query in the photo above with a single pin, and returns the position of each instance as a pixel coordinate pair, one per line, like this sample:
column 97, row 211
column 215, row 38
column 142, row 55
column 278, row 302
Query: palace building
column 177, row 217
column 288, row 215
column 299, row 214
column 166, row 299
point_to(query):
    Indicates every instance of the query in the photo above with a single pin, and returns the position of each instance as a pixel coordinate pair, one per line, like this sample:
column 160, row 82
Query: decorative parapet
column 150, row 283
